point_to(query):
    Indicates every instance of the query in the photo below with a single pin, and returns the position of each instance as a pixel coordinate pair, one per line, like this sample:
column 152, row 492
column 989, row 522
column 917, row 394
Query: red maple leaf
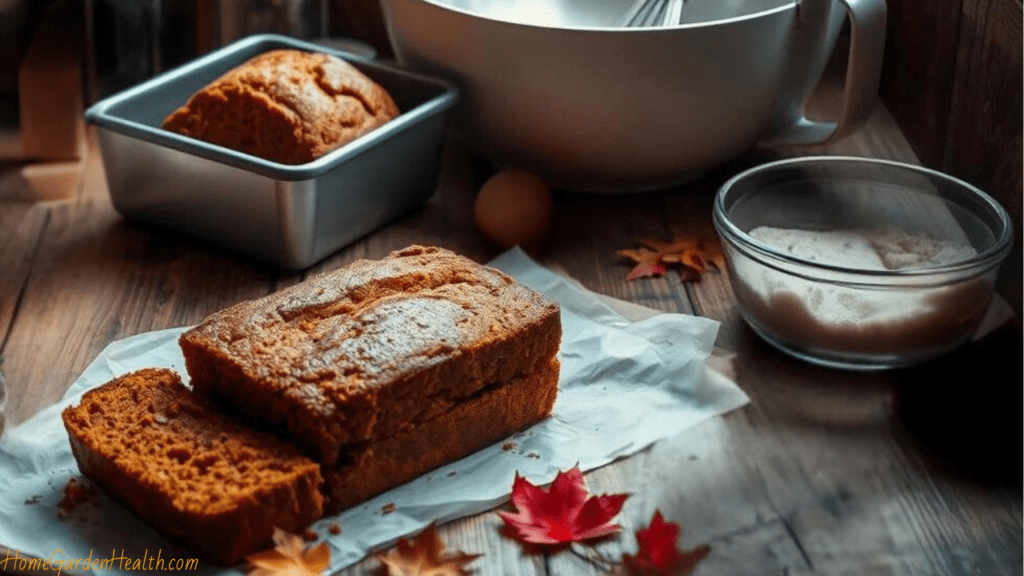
column 658, row 554
column 562, row 513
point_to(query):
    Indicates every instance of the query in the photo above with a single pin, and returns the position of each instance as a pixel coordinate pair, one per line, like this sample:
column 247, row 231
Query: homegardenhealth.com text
column 59, row 562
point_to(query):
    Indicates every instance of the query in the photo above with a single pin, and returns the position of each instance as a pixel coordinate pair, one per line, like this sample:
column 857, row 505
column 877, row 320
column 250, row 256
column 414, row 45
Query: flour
column 865, row 250
column 852, row 249
column 817, row 318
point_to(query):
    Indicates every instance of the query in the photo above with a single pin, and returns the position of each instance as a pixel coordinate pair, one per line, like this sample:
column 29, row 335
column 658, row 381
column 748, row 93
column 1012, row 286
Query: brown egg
column 514, row 207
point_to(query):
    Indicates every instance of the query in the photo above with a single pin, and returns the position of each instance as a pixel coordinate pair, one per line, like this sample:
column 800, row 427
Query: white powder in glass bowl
column 865, row 249
column 847, row 321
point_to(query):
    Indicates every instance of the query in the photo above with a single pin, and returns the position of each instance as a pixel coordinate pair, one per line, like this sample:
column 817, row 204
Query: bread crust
column 288, row 106
column 361, row 379
column 189, row 471
column 362, row 354
column 495, row 413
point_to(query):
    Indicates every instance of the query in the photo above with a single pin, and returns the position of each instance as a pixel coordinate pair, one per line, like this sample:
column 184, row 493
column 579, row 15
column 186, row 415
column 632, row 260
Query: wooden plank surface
column 953, row 81
column 21, row 226
column 983, row 142
column 96, row 278
column 920, row 66
column 823, row 473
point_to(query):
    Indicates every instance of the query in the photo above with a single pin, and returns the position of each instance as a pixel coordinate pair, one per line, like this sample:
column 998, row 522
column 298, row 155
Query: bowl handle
column 860, row 88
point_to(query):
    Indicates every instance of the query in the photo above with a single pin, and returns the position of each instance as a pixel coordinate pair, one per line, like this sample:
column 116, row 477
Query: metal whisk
column 645, row 13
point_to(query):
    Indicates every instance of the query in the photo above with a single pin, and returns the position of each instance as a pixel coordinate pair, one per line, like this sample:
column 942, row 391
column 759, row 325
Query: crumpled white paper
column 625, row 384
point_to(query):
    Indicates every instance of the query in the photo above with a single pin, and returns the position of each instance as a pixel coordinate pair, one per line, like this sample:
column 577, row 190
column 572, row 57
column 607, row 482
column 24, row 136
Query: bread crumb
column 76, row 493
column 533, row 455
column 309, row 535
column 387, row 508
column 510, row 445
column 334, row 528
column 34, row 500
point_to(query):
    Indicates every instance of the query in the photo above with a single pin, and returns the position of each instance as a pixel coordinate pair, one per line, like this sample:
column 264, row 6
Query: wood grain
column 21, row 227
column 95, row 279
column 918, row 75
column 953, row 81
column 983, row 138
column 824, row 473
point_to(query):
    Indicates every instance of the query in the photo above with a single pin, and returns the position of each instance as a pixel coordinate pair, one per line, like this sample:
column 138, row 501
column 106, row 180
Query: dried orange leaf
column 694, row 259
column 289, row 557
column 687, row 274
column 692, row 255
column 643, row 270
column 424, row 555
column 713, row 253
column 648, row 263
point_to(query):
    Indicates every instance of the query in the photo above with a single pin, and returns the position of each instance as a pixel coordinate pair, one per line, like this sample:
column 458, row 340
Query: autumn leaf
column 648, row 263
column 658, row 554
column 289, row 557
column 562, row 513
column 424, row 555
column 690, row 255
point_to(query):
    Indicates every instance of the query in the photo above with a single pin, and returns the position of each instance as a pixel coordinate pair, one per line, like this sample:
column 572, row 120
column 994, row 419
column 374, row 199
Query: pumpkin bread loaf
column 187, row 469
column 357, row 363
column 490, row 416
column 288, row 106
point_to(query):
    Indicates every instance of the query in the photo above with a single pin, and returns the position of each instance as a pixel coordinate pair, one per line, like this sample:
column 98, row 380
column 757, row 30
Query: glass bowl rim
column 977, row 264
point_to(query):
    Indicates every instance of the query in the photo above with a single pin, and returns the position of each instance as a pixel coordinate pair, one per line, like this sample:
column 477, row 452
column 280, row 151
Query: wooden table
column 831, row 473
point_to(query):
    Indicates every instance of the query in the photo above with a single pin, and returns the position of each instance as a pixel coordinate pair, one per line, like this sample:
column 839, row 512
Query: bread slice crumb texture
column 156, row 431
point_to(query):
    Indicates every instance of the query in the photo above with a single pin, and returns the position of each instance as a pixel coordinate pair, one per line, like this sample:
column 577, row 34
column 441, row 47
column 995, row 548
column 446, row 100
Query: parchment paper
column 630, row 377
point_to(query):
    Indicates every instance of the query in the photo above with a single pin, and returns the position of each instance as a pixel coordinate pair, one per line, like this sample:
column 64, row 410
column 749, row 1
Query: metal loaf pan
column 291, row 215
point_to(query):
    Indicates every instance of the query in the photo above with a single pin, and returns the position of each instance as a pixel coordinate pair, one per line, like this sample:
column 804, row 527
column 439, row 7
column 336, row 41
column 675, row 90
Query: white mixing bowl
column 555, row 87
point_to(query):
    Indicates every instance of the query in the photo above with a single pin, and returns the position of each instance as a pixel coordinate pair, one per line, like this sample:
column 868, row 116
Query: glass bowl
column 858, row 263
